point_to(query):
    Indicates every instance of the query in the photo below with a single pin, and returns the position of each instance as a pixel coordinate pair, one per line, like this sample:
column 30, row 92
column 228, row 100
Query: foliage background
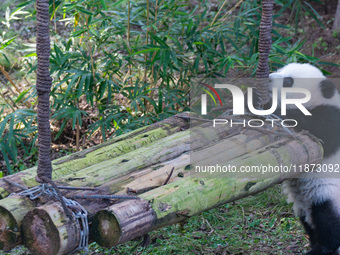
column 119, row 65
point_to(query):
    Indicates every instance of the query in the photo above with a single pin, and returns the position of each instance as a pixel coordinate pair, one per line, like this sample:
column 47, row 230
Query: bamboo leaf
column 103, row 4
column 21, row 96
column 7, row 43
column 146, row 51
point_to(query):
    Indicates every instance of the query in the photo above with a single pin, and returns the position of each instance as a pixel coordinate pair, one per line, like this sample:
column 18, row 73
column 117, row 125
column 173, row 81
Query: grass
column 261, row 224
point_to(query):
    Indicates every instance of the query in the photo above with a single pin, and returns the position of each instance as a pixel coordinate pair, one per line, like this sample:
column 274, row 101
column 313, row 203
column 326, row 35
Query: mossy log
column 12, row 211
column 121, row 179
column 235, row 145
column 236, row 148
column 100, row 153
column 158, row 172
column 95, row 174
column 189, row 196
column 141, row 181
column 48, row 231
column 123, row 222
column 107, row 173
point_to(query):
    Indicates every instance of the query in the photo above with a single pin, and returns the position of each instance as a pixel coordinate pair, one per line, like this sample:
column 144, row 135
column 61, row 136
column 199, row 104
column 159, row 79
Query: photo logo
column 302, row 96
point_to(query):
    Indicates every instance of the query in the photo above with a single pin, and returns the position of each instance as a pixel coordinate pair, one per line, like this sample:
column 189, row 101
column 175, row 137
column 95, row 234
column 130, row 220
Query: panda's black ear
column 288, row 82
column 327, row 88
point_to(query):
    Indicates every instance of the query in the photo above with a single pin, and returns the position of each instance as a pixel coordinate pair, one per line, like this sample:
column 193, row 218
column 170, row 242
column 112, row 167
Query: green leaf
column 94, row 32
column 313, row 13
column 146, row 51
column 4, row 154
column 74, row 78
column 117, row 3
column 7, row 60
column 84, row 10
column 103, row 4
column 21, row 96
column 25, row 3
column 78, row 32
column 7, row 42
column 181, row 13
column 157, row 39
column 328, row 63
column 33, row 54
column 80, row 86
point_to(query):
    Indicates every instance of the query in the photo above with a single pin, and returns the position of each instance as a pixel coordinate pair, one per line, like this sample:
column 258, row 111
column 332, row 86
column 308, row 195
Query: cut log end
column 9, row 233
column 122, row 222
column 46, row 230
column 12, row 211
column 40, row 234
column 107, row 231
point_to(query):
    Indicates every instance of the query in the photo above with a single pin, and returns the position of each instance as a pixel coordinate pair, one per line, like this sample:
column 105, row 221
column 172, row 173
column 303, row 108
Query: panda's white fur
column 316, row 199
column 305, row 76
column 305, row 190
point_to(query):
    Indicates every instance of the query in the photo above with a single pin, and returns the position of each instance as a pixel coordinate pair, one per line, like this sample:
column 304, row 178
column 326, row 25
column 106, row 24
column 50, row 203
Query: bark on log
column 232, row 147
column 48, row 231
column 97, row 154
column 123, row 222
column 12, row 211
column 237, row 148
column 187, row 197
column 174, row 147
column 165, row 149
column 157, row 175
column 144, row 156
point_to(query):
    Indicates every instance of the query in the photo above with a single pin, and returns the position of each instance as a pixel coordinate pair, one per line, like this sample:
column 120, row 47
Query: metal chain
column 32, row 193
column 80, row 215
column 78, row 211
column 103, row 197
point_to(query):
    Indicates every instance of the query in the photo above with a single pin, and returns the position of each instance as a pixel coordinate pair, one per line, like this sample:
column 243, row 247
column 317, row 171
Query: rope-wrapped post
column 43, row 86
column 265, row 42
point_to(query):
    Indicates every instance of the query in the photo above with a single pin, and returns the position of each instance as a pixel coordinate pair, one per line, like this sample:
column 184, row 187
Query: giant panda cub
column 316, row 200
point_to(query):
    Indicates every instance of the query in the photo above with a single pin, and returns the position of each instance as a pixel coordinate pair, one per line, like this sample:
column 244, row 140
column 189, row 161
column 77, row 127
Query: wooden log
column 144, row 156
column 165, row 149
column 173, row 170
column 117, row 176
column 97, row 154
column 189, row 196
column 48, row 231
column 123, row 222
column 140, row 181
column 14, row 208
column 12, row 211
column 232, row 147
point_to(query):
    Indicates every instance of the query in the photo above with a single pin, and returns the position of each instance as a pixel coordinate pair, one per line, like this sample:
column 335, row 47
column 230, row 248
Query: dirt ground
column 320, row 42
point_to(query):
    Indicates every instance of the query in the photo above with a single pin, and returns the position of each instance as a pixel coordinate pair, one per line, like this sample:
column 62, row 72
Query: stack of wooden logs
column 152, row 163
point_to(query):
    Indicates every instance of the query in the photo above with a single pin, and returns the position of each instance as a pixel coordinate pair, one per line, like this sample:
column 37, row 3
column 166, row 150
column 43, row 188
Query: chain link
column 78, row 211
column 80, row 215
